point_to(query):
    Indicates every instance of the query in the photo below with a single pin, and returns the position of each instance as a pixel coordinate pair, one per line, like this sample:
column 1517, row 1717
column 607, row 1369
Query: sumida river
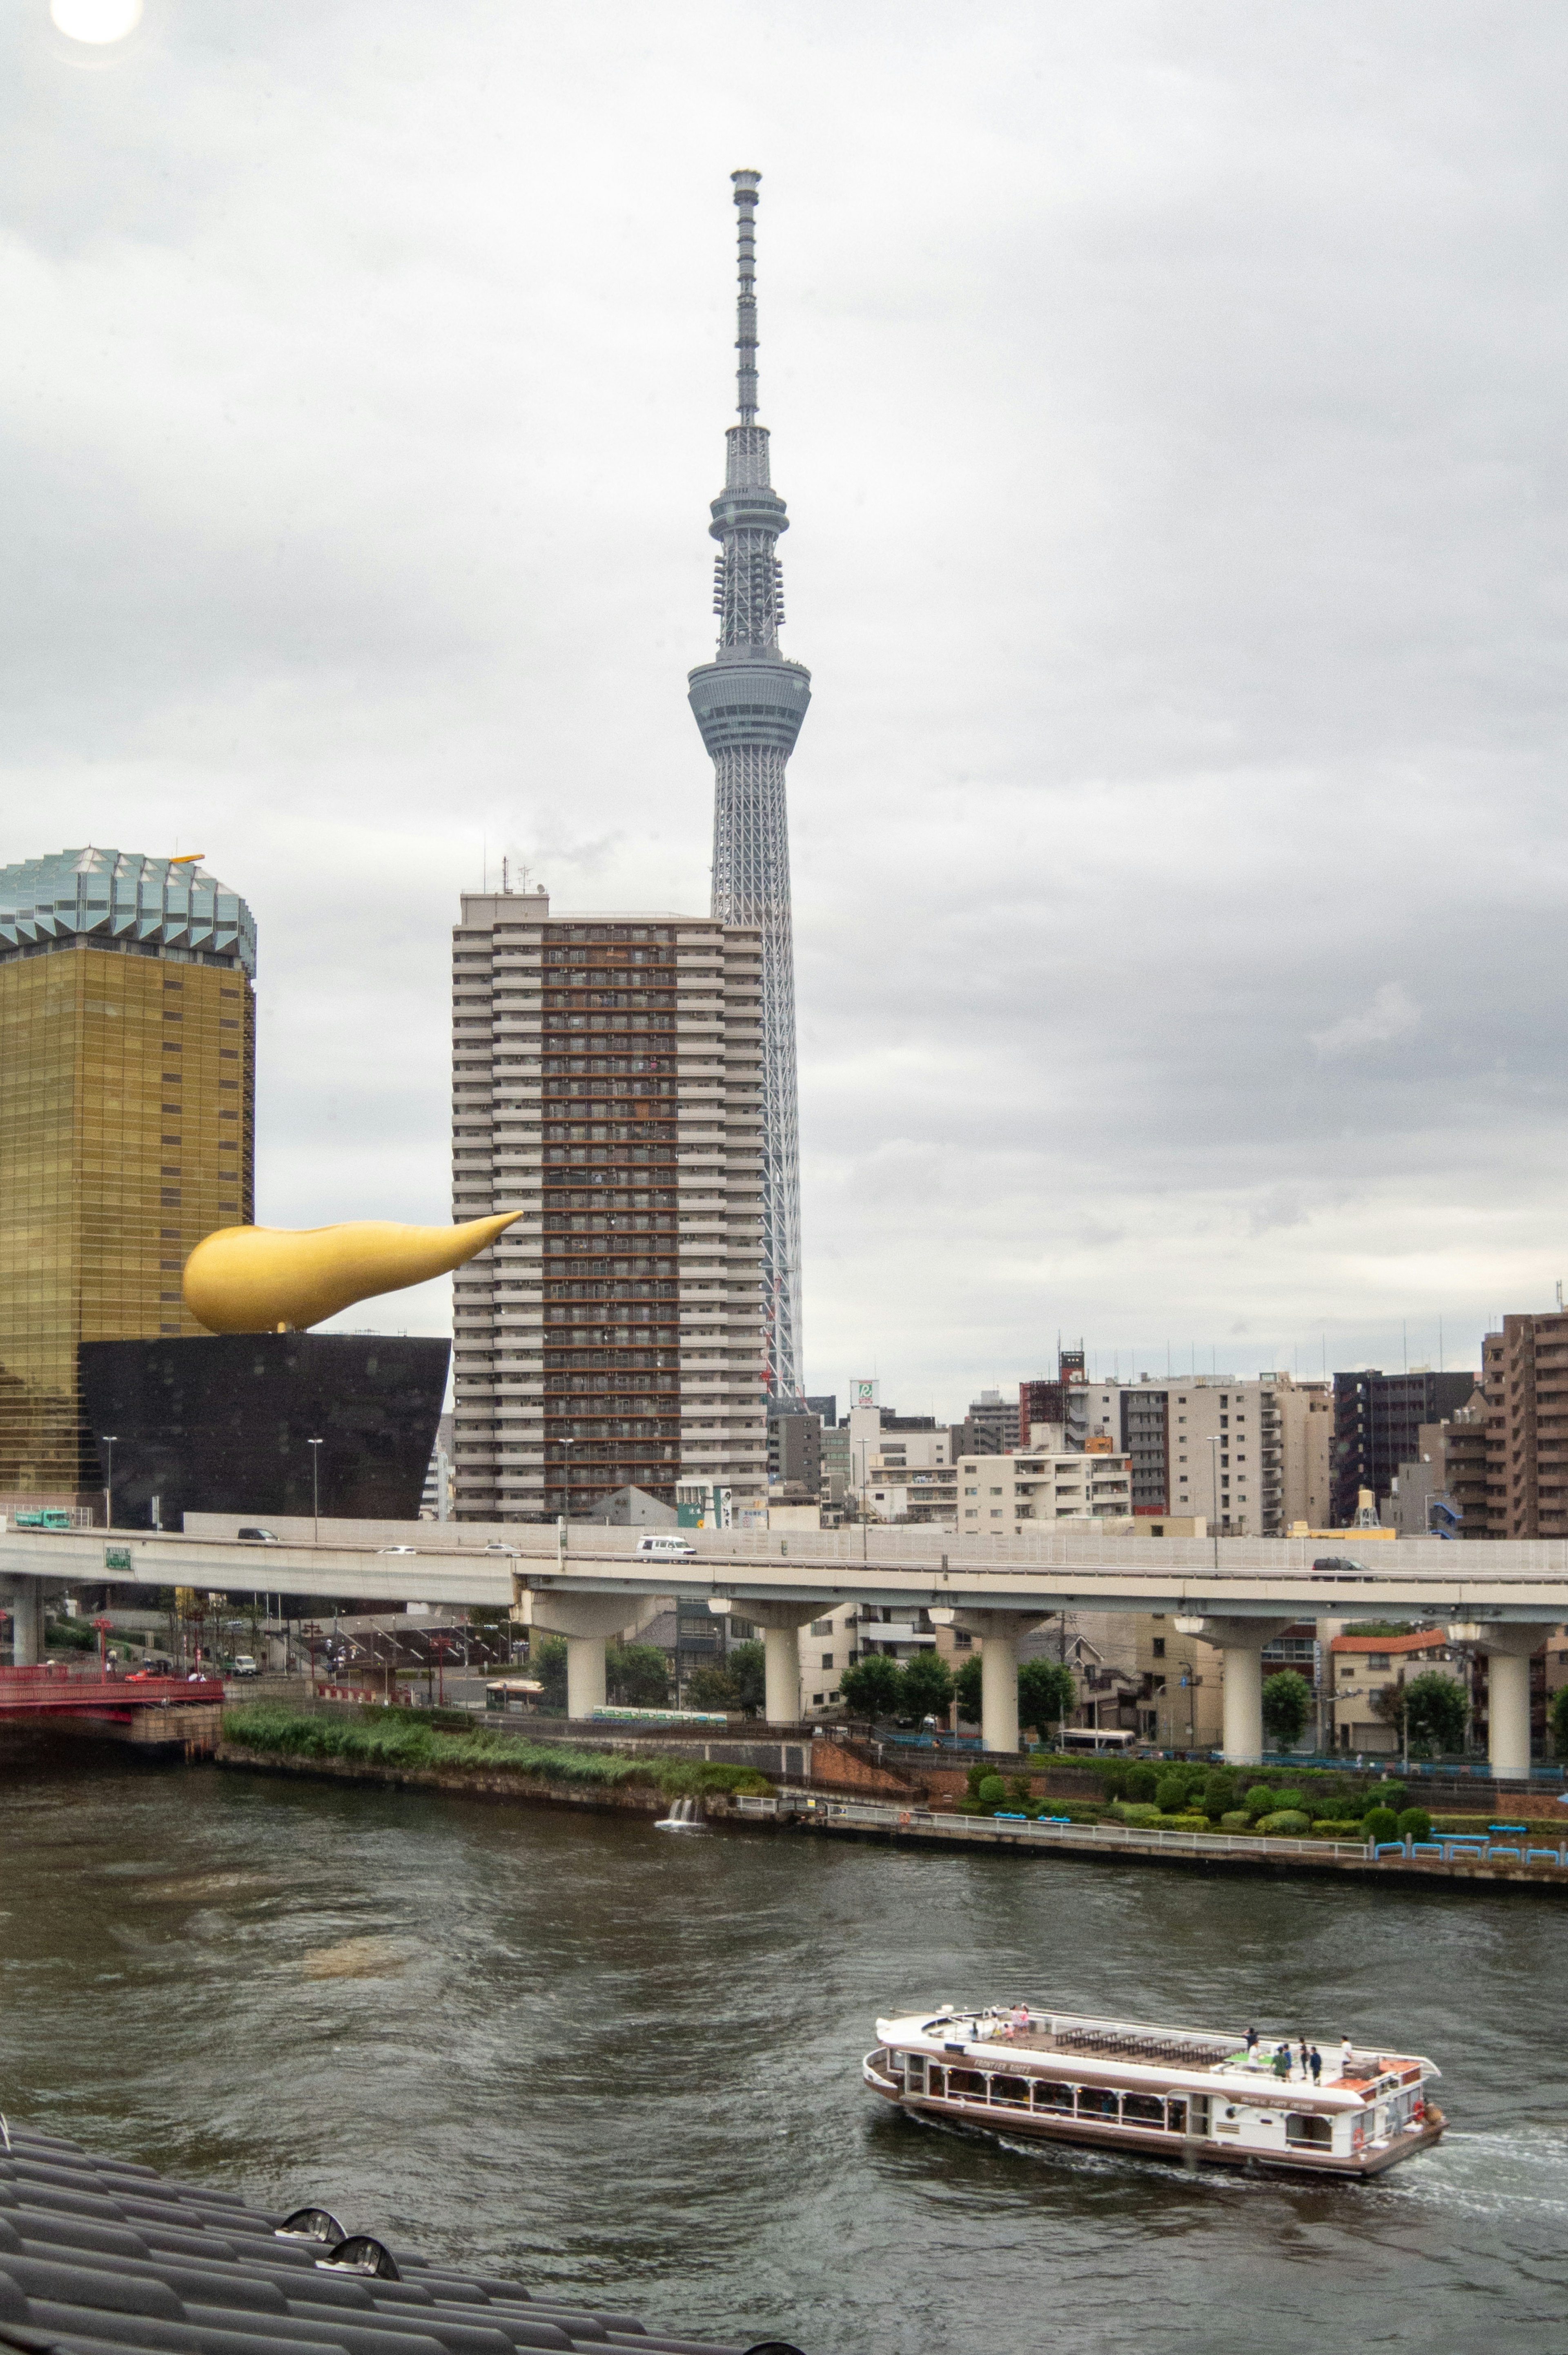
column 565, row 2048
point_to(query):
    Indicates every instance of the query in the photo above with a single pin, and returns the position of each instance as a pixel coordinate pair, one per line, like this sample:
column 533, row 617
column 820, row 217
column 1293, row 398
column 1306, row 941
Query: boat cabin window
column 1176, row 2117
column 1051, row 2097
column 914, row 2072
column 1011, row 2089
column 1097, row 2102
column 1142, row 2109
column 1301, row 2130
column 964, row 2083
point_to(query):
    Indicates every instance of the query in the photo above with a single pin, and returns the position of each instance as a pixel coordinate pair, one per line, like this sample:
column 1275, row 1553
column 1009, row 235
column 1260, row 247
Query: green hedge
column 386, row 1737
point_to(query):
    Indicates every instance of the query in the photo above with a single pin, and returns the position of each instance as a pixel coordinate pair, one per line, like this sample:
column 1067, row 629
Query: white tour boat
column 1183, row 2093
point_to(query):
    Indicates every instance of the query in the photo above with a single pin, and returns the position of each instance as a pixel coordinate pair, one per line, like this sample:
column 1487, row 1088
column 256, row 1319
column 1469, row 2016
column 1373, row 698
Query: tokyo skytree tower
column 749, row 702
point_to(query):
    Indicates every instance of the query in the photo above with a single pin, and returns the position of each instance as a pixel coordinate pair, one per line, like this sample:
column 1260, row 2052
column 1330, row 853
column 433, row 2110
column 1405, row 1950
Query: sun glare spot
column 96, row 20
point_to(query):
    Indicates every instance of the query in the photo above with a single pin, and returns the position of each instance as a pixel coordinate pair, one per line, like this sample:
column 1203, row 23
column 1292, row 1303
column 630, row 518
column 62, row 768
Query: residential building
column 606, row 1084
column 998, row 1494
column 1441, row 1491
column 1364, row 1668
column 1181, row 1688
column 1377, row 1421
column 836, row 1482
column 826, row 1410
column 1250, row 1456
column 1526, row 1386
column 127, row 1130
column 991, row 1426
column 896, row 1490
column 897, row 1440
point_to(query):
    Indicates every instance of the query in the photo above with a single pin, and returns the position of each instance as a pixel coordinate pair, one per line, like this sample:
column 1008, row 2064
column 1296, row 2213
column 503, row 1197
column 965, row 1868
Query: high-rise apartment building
column 991, row 1426
column 1250, row 1456
column 606, row 1084
column 1377, row 1425
column 127, row 1072
column 1526, row 1385
column 749, row 702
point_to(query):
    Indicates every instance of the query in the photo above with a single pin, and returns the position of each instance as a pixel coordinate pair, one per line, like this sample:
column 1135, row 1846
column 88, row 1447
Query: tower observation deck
column 749, row 702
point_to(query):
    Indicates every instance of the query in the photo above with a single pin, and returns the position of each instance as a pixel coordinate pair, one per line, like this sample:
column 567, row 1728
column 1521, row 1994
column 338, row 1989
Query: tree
column 711, row 1688
column 1559, row 1716
column 1046, row 1691
column 967, row 1690
column 1437, row 1710
column 547, row 1664
column 637, row 1676
column 1286, row 1706
column 747, row 1666
column 871, row 1686
column 926, row 1686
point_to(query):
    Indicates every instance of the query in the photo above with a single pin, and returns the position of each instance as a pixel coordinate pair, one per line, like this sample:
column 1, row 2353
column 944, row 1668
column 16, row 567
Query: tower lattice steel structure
column 749, row 702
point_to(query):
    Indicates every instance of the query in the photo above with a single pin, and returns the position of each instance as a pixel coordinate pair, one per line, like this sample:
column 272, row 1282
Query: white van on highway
column 668, row 1547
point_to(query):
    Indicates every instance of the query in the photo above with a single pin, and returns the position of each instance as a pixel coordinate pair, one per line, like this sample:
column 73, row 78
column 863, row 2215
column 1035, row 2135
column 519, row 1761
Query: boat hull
column 1206, row 2150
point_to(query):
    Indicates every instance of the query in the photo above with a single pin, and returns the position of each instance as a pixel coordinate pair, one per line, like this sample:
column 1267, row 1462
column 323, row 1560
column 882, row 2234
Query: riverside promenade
column 1445, row 1857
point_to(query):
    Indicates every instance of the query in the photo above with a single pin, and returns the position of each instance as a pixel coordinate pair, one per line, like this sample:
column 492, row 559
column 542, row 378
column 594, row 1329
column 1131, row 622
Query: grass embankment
column 404, row 1740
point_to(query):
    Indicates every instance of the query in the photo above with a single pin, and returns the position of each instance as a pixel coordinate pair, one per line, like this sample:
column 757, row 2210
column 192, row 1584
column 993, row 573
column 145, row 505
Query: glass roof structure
column 118, row 898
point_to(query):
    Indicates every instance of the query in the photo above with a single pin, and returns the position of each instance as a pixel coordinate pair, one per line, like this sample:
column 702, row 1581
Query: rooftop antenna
column 746, row 186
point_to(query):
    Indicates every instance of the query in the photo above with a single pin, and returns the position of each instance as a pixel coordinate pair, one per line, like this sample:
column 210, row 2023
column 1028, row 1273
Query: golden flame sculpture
column 280, row 1280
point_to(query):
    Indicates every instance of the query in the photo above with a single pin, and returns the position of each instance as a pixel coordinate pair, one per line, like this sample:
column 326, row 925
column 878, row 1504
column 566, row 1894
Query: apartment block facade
column 1525, row 1380
column 606, row 1084
column 997, row 1493
column 1250, row 1457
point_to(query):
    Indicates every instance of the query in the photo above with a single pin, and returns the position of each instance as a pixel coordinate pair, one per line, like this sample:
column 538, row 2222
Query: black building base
column 222, row 1424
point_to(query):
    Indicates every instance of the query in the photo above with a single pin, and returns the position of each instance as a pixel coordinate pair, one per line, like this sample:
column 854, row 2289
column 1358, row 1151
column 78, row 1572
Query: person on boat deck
column 1346, row 2055
column 1252, row 2040
column 1020, row 2021
column 1315, row 2063
column 1282, row 2060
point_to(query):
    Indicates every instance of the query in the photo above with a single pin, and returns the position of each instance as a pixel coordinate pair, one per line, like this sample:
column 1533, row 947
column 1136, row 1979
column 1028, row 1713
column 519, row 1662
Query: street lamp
column 109, row 1439
column 315, row 1447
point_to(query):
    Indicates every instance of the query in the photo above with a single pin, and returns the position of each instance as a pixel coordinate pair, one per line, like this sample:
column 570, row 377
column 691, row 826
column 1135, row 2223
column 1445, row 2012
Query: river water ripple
column 565, row 2048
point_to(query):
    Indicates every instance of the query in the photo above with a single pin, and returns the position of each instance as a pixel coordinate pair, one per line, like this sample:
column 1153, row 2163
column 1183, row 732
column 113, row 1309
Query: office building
column 1250, row 1457
column 749, row 702
column 1377, row 1421
column 1053, row 1414
column 606, row 1081
column 1441, row 1491
column 127, row 1071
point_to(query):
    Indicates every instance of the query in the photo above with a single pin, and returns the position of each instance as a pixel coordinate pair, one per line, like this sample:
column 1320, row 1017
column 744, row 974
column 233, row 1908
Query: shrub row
column 386, row 1737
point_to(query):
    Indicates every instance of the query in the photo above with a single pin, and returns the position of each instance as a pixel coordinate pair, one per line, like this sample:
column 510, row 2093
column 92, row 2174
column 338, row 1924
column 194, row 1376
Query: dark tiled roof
column 98, row 2257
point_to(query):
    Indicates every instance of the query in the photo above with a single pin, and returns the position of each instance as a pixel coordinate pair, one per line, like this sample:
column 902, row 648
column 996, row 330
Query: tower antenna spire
column 745, row 187
column 750, row 701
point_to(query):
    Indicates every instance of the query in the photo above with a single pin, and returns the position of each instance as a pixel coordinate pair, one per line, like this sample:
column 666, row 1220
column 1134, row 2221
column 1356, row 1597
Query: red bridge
column 141, row 1708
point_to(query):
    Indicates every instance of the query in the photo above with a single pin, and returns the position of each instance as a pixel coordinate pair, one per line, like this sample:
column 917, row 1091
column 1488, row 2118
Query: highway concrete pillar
column 1241, row 1642
column 780, row 1623
column 999, row 1632
column 1507, row 1650
column 28, row 1618
column 585, row 1675
column 588, row 1622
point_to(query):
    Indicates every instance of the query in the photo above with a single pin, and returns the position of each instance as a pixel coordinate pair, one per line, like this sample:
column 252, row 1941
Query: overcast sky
column 1169, row 404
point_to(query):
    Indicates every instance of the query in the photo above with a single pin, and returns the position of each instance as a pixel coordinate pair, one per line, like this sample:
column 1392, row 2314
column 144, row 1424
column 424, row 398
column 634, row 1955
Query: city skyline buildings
column 748, row 703
column 127, row 1124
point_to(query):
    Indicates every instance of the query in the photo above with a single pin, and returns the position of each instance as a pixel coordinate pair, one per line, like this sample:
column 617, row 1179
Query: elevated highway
column 590, row 1583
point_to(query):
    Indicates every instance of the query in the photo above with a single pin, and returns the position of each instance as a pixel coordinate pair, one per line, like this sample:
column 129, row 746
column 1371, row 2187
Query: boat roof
column 1142, row 2052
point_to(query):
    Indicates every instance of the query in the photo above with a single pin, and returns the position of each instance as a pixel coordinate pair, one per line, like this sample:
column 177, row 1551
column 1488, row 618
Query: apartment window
column 971, row 1512
column 962, row 1641
column 971, row 1492
column 996, row 1492
column 996, row 1512
column 822, row 1627
column 1159, row 1647
column 827, row 1659
column 1377, row 1660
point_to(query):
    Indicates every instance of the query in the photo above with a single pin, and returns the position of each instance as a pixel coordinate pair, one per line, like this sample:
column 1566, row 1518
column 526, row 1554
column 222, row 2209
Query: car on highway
column 258, row 1537
column 397, row 1549
column 1339, row 1565
column 495, row 1546
column 667, row 1546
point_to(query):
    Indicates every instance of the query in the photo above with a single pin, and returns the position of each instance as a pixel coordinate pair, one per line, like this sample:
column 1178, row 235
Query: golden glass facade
column 127, row 1085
